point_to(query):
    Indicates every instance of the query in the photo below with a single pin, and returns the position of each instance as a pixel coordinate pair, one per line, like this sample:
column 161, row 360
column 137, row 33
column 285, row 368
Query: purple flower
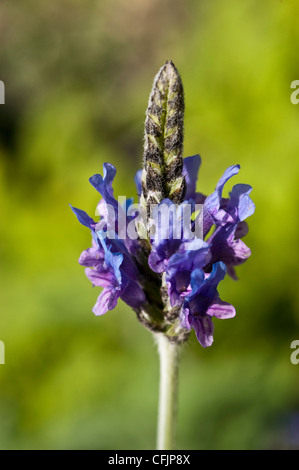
column 103, row 271
column 192, row 256
column 169, row 268
column 203, row 303
column 170, row 230
column 226, row 243
column 114, row 272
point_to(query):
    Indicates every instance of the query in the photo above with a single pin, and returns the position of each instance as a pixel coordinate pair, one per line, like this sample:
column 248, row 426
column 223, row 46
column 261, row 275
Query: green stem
column 168, row 394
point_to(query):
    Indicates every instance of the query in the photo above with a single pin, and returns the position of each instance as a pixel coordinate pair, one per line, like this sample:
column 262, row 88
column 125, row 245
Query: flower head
column 165, row 270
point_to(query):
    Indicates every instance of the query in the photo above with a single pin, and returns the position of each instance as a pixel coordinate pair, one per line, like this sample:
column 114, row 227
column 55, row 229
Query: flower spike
column 169, row 277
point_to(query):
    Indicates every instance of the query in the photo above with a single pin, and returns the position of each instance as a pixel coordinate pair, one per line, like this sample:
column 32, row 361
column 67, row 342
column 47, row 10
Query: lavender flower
column 168, row 278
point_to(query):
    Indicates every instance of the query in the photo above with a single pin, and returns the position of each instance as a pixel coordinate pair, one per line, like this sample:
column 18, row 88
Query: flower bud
column 163, row 141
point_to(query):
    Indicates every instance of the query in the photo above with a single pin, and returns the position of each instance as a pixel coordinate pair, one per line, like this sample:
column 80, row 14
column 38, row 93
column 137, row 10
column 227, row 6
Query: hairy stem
column 168, row 394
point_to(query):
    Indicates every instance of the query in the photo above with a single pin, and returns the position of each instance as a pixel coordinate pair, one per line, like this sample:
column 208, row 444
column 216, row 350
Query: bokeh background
column 77, row 76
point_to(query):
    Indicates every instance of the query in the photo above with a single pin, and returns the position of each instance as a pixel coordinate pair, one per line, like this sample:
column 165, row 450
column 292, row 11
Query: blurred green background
column 77, row 76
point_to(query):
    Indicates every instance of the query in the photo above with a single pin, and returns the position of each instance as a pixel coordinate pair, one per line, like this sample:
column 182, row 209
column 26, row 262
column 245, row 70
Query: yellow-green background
column 77, row 77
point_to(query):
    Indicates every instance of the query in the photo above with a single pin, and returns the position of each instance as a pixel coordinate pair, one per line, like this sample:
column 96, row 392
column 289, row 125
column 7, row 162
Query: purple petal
column 181, row 265
column 240, row 204
column 102, row 278
column 196, row 255
column 204, row 329
column 168, row 234
column 246, row 207
column 104, row 184
column 91, row 258
column 114, row 260
column 83, row 218
column 221, row 309
column 107, row 300
column 190, row 170
column 197, row 280
column 157, row 262
column 138, row 176
column 240, row 250
column 212, row 202
column 208, row 287
column 178, row 287
column 133, row 295
column 226, row 248
column 229, row 172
